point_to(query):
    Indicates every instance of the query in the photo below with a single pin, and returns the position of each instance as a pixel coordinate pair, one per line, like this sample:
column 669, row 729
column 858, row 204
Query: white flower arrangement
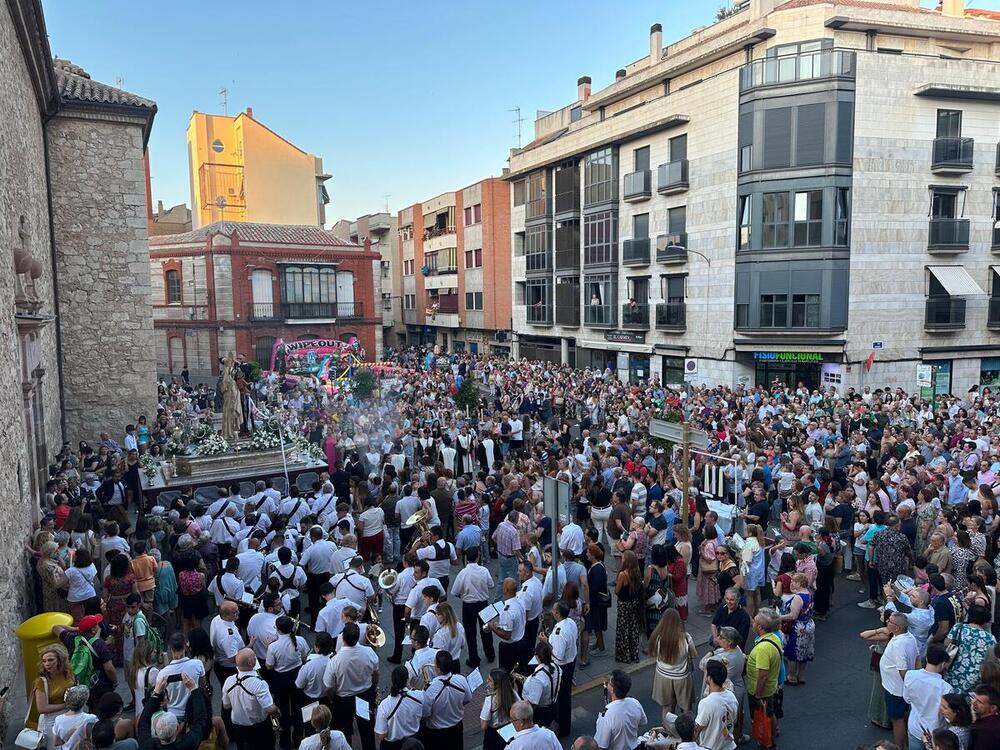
column 265, row 439
column 213, row 445
column 150, row 466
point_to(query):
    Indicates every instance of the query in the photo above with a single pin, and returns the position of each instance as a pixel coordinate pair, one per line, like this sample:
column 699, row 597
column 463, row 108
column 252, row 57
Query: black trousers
column 286, row 698
column 472, row 625
column 509, row 655
column 344, row 717
column 544, row 715
column 824, row 589
column 253, row 737
column 405, row 538
column 398, row 631
column 313, row 582
column 444, row 582
column 222, row 673
column 450, row 737
column 225, row 550
column 564, row 701
column 530, row 637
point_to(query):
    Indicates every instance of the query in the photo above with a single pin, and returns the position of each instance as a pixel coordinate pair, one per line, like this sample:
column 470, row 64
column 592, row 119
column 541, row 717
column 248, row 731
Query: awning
column 956, row 281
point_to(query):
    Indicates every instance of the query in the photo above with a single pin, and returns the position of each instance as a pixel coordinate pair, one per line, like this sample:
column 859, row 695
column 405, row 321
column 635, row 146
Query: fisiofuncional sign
column 625, row 337
column 789, row 356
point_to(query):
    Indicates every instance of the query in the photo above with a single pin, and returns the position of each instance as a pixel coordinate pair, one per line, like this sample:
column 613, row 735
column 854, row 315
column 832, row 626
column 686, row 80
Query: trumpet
column 387, row 580
column 374, row 633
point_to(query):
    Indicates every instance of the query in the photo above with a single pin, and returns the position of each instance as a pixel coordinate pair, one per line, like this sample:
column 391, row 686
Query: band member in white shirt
column 431, row 595
column 473, row 585
column 310, row 678
column 317, row 561
column 353, row 584
column 509, row 627
column 226, row 640
column 501, row 695
column 449, row 635
column 226, row 584
column 352, row 673
column 419, row 665
column 415, row 606
column 248, row 698
column 530, row 737
column 541, row 688
column 294, row 508
column 439, row 554
column 563, row 640
column 399, row 713
column 291, row 578
column 399, row 591
column 530, row 595
column 285, row 657
column 618, row 725
column 224, row 528
column 329, row 619
column 251, row 560
column 346, row 552
column 444, row 705
column 261, row 630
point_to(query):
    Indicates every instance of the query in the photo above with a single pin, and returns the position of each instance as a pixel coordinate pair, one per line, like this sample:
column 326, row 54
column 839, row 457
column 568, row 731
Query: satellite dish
column 220, row 202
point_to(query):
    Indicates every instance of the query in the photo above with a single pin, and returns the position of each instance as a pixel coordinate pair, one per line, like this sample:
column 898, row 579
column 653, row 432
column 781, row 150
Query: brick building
column 455, row 259
column 239, row 286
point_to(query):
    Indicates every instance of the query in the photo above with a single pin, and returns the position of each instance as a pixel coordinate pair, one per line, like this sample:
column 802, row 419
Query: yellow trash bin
column 35, row 634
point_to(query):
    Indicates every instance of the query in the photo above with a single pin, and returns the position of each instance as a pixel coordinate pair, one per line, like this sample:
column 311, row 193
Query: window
column 600, row 237
column 409, row 302
column 601, row 296
column 949, row 123
column 679, row 148
column 406, row 232
column 944, row 204
column 536, row 195
column 810, row 131
column 262, row 348
column 520, row 189
column 474, row 258
column 309, row 285
column 467, row 213
column 743, row 236
column 640, row 159
column 809, row 218
column 774, row 223
column 518, row 244
column 638, row 289
column 841, row 219
column 173, row 287
column 473, row 214
column 576, row 113
column 640, row 226
column 746, row 141
column 777, row 137
column 407, row 267
column 536, row 249
column 672, row 289
column 538, row 300
column 385, row 269
column 600, row 177
column 773, row 310
column 805, row 311
column 473, row 300
column 677, row 220
column 673, row 370
column 386, row 301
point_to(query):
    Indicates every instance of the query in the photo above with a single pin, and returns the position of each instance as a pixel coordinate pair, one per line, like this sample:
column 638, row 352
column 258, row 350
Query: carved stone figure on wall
column 232, row 403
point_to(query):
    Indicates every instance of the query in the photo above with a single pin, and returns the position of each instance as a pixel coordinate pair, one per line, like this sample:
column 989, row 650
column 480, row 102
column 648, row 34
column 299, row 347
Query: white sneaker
column 868, row 604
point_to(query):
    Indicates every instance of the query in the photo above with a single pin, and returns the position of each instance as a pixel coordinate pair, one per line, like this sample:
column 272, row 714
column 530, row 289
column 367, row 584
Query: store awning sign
column 788, row 356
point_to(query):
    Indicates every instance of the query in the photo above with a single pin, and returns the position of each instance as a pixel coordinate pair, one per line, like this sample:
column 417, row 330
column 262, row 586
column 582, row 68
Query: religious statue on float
column 232, row 398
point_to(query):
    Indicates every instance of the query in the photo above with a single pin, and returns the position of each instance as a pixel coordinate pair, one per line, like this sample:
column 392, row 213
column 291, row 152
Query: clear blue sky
column 405, row 99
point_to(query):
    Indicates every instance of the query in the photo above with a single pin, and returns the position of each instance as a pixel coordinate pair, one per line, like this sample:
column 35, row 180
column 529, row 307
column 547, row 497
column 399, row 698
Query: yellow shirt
column 764, row 657
column 58, row 686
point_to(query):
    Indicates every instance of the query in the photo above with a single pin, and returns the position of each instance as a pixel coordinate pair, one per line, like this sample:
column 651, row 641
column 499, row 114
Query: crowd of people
column 434, row 512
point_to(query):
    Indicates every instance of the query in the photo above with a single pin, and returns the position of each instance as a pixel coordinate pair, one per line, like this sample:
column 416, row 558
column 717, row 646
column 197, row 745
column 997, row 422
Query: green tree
column 364, row 384
column 468, row 395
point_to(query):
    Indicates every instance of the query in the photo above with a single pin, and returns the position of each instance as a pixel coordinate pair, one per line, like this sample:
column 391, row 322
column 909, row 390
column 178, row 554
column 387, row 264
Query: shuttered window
column 810, row 132
column 777, row 138
column 845, row 132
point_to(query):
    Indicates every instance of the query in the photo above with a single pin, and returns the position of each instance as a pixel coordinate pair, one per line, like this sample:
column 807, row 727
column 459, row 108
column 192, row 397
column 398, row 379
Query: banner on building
column 325, row 359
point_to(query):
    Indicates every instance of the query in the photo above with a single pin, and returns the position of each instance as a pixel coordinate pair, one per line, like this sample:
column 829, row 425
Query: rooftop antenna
column 224, row 93
column 387, row 196
column 120, row 82
column 517, row 121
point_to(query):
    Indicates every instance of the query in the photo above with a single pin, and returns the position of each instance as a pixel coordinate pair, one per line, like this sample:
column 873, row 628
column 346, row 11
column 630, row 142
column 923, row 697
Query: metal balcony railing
column 535, row 208
column 600, row 315
column 948, row 235
column 944, row 313
column 568, row 201
column 671, row 316
column 635, row 316
column 952, row 155
column 638, row 185
column 320, row 310
column 539, row 314
column 635, row 252
column 538, row 261
column 672, row 177
column 671, row 248
column 771, row 71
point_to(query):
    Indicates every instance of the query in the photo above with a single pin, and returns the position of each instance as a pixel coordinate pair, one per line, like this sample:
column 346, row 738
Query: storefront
column 542, row 348
column 789, row 368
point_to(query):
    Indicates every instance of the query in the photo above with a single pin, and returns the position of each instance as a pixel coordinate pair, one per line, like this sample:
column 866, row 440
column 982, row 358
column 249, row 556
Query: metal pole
column 686, row 475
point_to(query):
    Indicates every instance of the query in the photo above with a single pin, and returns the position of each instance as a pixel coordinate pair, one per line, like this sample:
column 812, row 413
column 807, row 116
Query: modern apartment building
column 241, row 170
column 455, row 259
column 779, row 195
column 381, row 231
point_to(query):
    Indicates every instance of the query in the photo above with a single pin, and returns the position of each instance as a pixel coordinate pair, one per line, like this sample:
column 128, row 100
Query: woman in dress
column 54, row 678
column 54, row 581
column 708, row 566
column 729, row 575
column 684, row 544
column 753, row 567
column 118, row 584
column 142, row 434
column 800, row 643
column 596, row 620
column 697, row 532
column 974, row 642
column 628, row 587
column 674, row 651
column 165, row 592
column 792, row 519
column 190, row 570
column 677, row 568
column 862, row 522
column 82, row 580
column 658, row 586
column 962, row 557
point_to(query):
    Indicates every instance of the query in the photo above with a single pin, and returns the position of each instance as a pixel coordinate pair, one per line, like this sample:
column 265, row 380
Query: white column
column 564, row 351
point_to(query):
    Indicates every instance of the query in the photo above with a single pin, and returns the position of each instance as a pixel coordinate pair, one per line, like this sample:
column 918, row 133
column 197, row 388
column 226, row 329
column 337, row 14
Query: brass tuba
column 374, row 634
column 388, row 579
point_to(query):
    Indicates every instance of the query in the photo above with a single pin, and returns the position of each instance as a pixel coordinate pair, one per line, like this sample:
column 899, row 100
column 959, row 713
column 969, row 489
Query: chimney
column 250, row 112
column 953, row 8
column 655, row 43
column 619, row 74
column 159, row 207
column 583, row 88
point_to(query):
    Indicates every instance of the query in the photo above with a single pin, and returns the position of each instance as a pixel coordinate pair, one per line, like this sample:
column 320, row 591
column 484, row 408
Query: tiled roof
column 871, row 4
column 76, row 85
column 275, row 234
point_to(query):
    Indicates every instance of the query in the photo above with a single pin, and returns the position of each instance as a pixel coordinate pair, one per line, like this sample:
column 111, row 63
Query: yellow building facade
column 240, row 170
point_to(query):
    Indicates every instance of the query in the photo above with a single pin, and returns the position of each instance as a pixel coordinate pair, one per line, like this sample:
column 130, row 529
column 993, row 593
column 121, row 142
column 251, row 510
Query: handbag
column 31, row 739
column 955, row 646
column 762, row 726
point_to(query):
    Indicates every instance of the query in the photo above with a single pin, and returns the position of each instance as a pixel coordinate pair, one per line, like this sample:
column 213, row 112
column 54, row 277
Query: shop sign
column 625, row 337
column 925, row 376
column 788, row 356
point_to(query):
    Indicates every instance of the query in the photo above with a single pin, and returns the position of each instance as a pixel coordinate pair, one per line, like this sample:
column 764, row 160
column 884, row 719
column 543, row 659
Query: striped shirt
column 508, row 539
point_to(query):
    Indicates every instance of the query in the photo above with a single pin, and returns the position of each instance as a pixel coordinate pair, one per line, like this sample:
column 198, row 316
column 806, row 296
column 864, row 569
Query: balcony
column 274, row 311
column 996, row 163
column 568, row 315
column 568, row 201
column 948, row 236
column 433, row 232
column 535, row 208
column 378, row 223
column 672, row 248
column 671, row 316
column 638, row 186
column 568, row 260
column 952, row 155
column 774, row 71
column 567, row 240
column 635, row 252
column 447, row 304
column 672, row 177
column 635, row 317
column 601, row 316
column 995, row 246
column 539, row 314
column 538, row 262
column 222, row 186
column 944, row 313
column 993, row 321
